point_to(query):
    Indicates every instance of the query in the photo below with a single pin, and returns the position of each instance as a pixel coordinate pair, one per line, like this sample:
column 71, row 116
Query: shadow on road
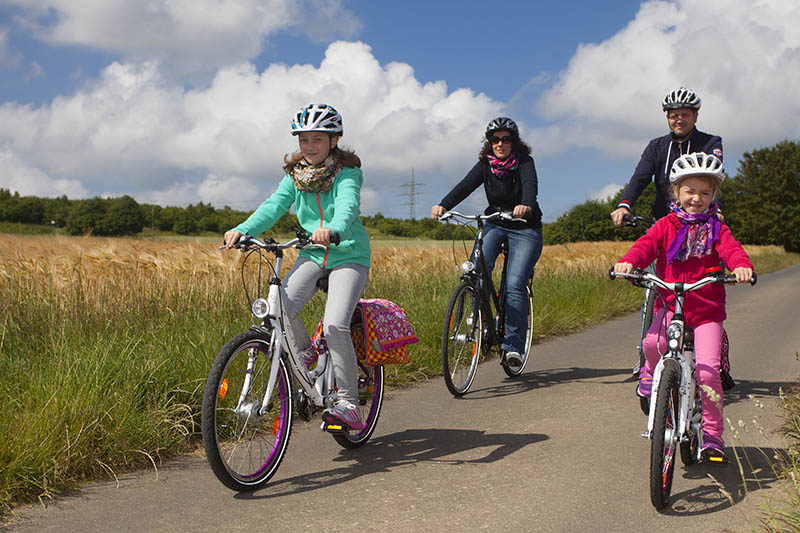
column 445, row 446
column 546, row 378
column 752, row 469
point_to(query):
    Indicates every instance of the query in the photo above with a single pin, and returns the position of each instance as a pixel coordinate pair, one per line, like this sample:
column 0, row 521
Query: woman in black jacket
column 506, row 170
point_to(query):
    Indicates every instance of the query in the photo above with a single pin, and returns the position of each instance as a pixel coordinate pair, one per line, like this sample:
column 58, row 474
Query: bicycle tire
column 513, row 371
column 370, row 401
column 664, row 438
column 244, row 449
column 462, row 338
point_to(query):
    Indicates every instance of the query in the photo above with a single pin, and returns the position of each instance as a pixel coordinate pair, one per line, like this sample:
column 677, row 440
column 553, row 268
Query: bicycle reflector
column 223, row 388
column 711, row 271
column 260, row 307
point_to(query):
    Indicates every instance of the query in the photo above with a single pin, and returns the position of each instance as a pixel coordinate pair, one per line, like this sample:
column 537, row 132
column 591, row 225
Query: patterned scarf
column 697, row 235
column 500, row 167
column 316, row 178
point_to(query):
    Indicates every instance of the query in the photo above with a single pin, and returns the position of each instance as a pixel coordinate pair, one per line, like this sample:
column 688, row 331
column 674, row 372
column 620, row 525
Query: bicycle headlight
column 260, row 308
column 674, row 333
column 467, row 266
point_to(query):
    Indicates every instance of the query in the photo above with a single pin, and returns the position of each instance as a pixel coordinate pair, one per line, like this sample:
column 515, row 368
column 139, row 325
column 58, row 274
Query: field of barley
column 105, row 343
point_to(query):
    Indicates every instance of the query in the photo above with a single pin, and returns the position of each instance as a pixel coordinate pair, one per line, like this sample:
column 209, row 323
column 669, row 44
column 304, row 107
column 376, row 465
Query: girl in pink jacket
column 686, row 242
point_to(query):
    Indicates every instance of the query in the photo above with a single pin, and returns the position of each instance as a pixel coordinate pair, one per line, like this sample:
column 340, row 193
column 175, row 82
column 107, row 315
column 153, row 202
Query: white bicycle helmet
column 502, row 123
column 680, row 98
column 698, row 164
column 317, row 117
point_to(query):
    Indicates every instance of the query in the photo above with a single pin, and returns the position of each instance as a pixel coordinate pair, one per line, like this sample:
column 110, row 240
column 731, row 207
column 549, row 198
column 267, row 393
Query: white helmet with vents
column 695, row 165
column 680, row 98
column 317, row 117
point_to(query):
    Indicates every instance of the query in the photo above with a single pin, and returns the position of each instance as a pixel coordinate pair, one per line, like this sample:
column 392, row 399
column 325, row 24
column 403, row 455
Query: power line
column 412, row 193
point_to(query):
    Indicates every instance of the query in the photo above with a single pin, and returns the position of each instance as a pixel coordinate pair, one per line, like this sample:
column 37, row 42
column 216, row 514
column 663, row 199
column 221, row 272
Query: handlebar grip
column 611, row 273
column 335, row 239
column 754, row 279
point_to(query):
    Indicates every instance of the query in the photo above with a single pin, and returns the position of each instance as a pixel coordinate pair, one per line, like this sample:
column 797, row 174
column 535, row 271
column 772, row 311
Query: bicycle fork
column 686, row 390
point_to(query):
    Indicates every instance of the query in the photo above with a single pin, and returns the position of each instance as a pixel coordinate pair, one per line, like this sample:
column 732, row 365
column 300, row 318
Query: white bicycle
column 675, row 416
column 257, row 379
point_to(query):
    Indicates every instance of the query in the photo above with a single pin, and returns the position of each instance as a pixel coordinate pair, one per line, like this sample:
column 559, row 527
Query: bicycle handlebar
column 638, row 275
column 502, row 215
column 301, row 242
column 635, row 220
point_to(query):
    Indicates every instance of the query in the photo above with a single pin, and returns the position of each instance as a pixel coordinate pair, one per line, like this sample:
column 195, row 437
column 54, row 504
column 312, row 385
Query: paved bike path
column 557, row 449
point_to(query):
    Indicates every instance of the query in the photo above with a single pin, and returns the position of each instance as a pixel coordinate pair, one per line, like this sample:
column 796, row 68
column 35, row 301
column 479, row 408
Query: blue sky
column 178, row 102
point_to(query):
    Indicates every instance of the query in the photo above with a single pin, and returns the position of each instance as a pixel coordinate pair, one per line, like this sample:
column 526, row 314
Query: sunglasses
column 505, row 140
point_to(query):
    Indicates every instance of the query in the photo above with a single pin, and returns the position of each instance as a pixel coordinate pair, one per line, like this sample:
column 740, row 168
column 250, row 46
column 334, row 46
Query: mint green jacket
column 337, row 209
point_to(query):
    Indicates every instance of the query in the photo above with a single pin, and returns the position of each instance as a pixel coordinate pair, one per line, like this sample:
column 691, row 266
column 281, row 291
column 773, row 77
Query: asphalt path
column 557, row 449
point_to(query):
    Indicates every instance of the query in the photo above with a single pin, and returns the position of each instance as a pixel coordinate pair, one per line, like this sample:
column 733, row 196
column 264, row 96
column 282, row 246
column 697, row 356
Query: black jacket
column 519, row 187
column 657, row 161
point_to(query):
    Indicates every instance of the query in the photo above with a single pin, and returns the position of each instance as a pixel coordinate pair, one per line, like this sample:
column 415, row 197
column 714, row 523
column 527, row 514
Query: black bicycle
column 476, row 315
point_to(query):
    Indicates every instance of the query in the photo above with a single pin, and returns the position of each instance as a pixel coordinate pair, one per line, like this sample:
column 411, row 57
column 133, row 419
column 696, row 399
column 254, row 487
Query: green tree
column 85, row 215
column 762, row 202
column 122, row 217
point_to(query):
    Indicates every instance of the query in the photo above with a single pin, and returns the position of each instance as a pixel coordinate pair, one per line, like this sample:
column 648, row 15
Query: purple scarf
column 697, row 235
column 500, row 167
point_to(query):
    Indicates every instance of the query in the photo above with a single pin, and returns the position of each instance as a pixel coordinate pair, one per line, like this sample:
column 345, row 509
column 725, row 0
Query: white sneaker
column 513, row 358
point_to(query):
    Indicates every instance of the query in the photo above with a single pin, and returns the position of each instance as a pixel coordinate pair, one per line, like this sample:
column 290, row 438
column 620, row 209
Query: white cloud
column 740, row 57
column 133, row 131
column 606, row 192
column 190, row 36
column 17, row 175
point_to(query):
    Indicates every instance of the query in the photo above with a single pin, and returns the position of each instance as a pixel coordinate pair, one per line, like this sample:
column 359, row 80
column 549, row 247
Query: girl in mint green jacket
column 324, row 184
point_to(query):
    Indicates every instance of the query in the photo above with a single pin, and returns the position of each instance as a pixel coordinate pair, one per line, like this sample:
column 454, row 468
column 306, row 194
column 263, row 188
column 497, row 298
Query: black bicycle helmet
column 680, row 98
column 504, row 124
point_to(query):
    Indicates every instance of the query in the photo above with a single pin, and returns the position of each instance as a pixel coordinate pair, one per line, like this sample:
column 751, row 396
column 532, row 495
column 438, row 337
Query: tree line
column 761, row 203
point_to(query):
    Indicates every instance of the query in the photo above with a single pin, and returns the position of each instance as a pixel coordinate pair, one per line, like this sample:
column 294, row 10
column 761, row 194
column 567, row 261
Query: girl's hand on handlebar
column 230, row 238
column 322, row 236
column 623, row 268
column 743, row 274
column 520, row 211
column 437, row 211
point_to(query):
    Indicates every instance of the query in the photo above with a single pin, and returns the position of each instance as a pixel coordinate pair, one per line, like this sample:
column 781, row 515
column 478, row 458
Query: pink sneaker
column 344, row 413
column 645, row 387
column 308, row 357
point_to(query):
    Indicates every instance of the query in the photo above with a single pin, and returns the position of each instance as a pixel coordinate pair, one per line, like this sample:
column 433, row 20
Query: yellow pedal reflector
column 223, row 388
column 331, row 426
column 715, row 459
column 276, row 425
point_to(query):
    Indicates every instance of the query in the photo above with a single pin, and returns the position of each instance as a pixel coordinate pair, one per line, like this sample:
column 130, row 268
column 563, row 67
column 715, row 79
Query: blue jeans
column 524, row 249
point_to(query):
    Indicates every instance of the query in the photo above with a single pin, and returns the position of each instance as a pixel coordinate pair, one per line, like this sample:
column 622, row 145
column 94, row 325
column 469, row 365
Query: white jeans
column 345, row 286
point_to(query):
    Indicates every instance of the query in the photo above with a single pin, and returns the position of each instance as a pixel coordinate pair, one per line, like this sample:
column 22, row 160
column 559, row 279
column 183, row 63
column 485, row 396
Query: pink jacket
column 706, row 304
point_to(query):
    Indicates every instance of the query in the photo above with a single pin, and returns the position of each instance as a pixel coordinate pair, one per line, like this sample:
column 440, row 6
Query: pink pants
column 707, row 347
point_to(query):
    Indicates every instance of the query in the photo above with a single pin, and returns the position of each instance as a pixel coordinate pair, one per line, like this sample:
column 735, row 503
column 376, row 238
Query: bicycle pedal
column 334, row 428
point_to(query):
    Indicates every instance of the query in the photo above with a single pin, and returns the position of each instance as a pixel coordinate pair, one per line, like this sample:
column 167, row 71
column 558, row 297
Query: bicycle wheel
column 244, row 443
column 664, row 441
column 462, row 337
column 512, row 371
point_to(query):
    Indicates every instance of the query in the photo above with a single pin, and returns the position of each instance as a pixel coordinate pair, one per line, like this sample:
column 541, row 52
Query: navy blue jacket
column 657, row 161
column 519, row 187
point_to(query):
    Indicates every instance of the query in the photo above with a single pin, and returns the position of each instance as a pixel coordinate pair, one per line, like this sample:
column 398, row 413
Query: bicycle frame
column 282, row 344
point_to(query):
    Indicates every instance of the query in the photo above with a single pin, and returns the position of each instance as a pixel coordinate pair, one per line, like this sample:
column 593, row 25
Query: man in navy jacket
column 681, row 107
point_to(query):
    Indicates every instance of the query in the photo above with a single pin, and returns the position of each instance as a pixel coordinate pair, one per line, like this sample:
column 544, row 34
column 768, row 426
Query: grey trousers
column 345, row 286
